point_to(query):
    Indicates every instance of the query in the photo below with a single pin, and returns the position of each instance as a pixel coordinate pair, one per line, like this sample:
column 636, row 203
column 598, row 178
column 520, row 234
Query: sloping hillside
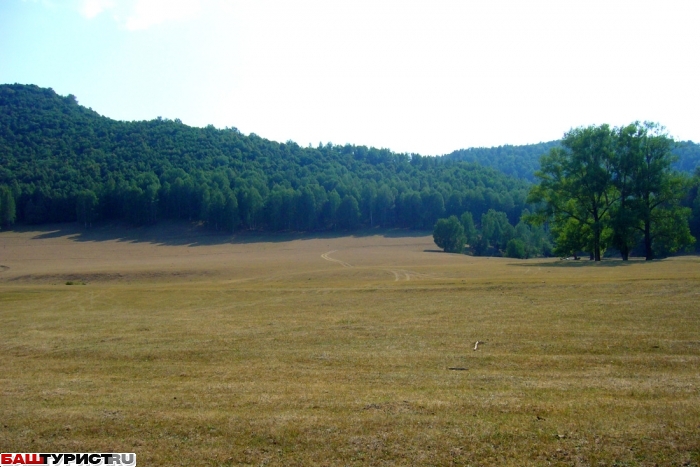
column 64, row 162
column 523, row 161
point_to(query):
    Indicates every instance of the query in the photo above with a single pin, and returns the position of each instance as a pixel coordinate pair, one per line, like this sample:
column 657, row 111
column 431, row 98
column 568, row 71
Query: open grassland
column 217, row 351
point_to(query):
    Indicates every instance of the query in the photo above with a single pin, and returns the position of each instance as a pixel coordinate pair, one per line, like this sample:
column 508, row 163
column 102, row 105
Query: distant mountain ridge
column 523, row 161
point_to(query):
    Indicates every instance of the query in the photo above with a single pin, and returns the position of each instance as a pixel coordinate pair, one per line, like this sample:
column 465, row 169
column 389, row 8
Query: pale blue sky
column 413, row 76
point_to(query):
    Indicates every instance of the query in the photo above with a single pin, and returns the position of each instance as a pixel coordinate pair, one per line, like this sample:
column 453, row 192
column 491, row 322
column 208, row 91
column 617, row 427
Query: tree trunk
column 647, row 240
column 596, row 238
column 625, row 252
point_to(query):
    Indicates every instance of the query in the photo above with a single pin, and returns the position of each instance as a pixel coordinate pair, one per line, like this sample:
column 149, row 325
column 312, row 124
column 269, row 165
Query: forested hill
column 60, row 161
column 517, row 161
column 523, row 161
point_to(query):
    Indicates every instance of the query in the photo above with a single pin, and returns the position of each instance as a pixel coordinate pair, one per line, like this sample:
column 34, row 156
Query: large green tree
column 657, row 192
column 626, row 166
column 448, row 234
column 576, row 187
column 613, row 186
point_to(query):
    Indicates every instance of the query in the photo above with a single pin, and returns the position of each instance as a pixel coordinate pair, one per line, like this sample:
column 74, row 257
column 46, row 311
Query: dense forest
column 62, row 162
column 524, row 161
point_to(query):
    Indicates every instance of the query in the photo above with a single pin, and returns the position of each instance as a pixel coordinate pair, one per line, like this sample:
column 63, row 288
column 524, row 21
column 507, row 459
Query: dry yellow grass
column 274, row 350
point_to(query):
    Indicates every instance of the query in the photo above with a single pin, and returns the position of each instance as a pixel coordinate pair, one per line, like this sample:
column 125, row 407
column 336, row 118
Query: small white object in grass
column 476, row 344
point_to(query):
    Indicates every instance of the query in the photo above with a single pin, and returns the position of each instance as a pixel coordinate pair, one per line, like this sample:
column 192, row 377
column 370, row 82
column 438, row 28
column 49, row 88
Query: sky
column 426, row 77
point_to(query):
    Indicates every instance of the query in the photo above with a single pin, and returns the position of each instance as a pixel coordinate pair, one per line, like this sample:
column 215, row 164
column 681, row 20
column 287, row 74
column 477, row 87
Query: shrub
column 516, row 249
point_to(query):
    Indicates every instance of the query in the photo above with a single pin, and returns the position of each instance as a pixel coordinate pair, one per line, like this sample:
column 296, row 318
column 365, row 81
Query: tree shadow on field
column 189, row 234
column 583, row 263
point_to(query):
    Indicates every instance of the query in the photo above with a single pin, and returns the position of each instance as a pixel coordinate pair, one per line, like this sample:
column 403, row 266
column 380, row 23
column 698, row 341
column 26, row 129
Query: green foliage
column 448, row 234
column 54, row 151
column 496, row 230
column 86, row 206
column 688, row 156
column 517, row 161
column 649, row 192
column 516, row 249
column 7, row 207
column 576, row 187
column 62, row 162
column 524, row 161
column 613, row 186
column 671, row 232
column 692, row 202
column 470, row 232
column 495, row 235
column 348, row 213
column 384, row 206
column 534, row 237
column 571, row 237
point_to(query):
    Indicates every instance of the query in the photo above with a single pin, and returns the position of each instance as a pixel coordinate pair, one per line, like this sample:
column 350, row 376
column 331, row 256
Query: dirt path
column 399, row 274
column 403, row 274
column 328, row 258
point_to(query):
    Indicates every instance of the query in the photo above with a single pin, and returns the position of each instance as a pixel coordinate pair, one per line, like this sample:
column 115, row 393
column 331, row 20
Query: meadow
column 203, row 350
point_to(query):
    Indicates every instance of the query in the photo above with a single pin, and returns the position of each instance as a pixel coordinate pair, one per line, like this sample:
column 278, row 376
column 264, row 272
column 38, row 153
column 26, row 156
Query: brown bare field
column 195, row 349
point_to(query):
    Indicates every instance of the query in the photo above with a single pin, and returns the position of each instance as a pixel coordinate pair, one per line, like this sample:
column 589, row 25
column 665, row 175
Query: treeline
column 524, row 161
column 493, row 236
column 62, row 162
column 600, row 189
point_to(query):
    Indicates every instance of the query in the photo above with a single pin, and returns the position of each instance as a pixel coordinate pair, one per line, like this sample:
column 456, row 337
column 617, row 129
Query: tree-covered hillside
column 524, row 161
column 688, row 154
column 60, row 161
column 517, row 161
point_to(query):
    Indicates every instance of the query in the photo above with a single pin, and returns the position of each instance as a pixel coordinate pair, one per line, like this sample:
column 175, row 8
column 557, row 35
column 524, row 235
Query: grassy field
column 202, row 350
